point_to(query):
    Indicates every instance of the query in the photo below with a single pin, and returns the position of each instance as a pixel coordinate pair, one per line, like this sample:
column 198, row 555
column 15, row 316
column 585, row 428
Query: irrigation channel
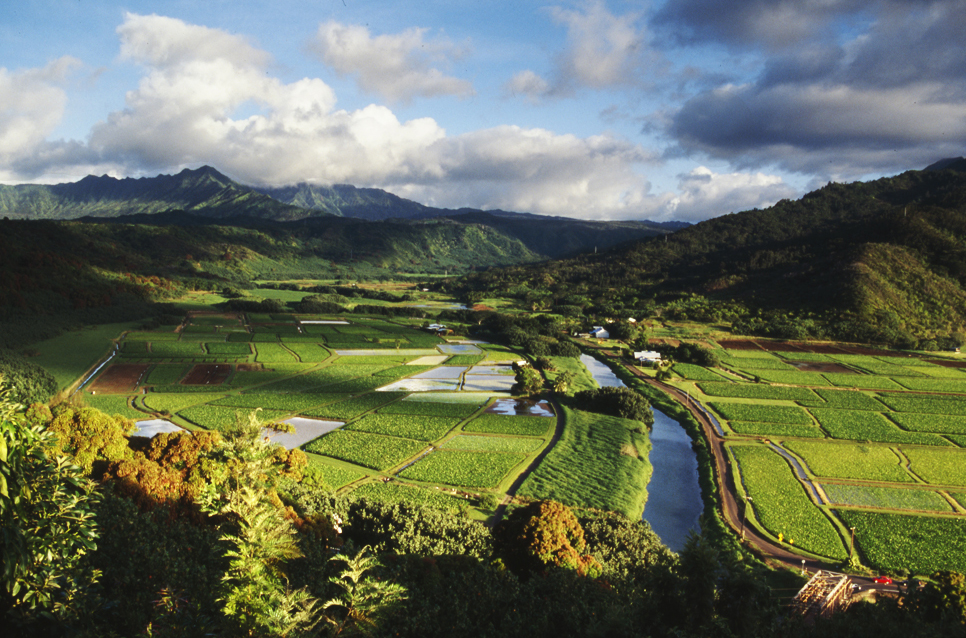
column 673, row 495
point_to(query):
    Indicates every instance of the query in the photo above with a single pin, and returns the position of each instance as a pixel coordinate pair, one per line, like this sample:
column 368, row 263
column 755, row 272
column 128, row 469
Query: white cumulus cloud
column 703, row 194
column 32, row 104
column 398, row 67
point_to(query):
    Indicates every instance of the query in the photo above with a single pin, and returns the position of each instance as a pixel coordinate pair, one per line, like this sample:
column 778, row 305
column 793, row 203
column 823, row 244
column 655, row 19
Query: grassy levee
column 713, row 526
column 582, row 379
column 599, row 462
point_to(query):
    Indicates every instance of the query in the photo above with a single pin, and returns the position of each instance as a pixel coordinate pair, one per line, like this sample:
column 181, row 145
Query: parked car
column 882, row 580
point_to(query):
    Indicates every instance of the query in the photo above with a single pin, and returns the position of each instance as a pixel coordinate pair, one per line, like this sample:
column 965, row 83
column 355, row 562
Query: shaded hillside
column 204, row 191
column 207, row 193
column 55, row 267
column 852, row 253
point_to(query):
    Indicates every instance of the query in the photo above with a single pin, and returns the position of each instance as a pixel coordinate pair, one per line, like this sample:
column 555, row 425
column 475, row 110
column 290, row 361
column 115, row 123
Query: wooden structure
column 823, row 595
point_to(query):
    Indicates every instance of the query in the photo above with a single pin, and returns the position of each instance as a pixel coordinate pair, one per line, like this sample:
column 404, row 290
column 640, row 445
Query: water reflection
column 674, row 495
column 521, row 407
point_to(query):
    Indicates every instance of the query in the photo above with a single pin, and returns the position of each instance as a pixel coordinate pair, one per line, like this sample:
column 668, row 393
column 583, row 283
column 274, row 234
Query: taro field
column 825, row 437
column 383, row 410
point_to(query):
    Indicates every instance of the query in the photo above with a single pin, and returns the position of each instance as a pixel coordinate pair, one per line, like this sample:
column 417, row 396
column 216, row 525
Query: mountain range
column 207, row 192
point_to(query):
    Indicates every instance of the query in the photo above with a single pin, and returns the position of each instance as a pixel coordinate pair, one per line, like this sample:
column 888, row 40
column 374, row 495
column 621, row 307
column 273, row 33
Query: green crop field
column 273, row 353
column 792, row 377
column 851, row 461
column 233, row 349
column 920, row 544
column 861, row 381
column 151, row 336
column 600, row 461
column 861, row 425
column 430, row 408
column 781, row 504
column 756, row 364
column 376, row 451
column 755, row 428
column 924, row 404
column 695, row 372
column 757, row 391
column 248, row 378
column 177, row 349
column 849, row 400
column 515, row 425
column 324, row 474
column 166, row 374
column 422, row 428
column 480, row 443
column 808, row 357
column 886, row 497
column 399, row 492
column 115, row 404
column 176, row 402
column 938, row 466
column 762, row 413
column 72, row 353
column 933, row 385
column 213, row 417
column 359, row 385
column 350, row 408
column 751, row 354
column 469, row 469
column 282, row 402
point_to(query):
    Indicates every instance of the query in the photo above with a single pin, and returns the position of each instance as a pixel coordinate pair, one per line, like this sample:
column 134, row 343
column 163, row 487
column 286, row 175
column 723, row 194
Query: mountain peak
column 949, row 164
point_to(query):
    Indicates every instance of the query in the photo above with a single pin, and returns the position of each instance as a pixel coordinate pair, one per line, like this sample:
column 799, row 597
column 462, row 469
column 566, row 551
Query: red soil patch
column 817, row 366
column 478, row 307
column 946, row 363
column 120, row 377
column 207, row 374
column 659, row 341
column 775, row 346
column 825, row 349
column 872, row 352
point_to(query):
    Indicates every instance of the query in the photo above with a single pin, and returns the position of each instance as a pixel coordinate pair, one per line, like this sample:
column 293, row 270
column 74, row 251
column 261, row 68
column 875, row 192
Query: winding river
column 673, row 495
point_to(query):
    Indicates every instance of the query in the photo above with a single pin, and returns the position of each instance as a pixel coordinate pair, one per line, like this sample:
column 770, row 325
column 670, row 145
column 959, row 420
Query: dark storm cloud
column 885, row 97
column 777, row 23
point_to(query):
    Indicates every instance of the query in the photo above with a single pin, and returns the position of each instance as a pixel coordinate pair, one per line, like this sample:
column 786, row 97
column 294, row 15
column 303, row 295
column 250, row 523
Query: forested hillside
column 883, row 260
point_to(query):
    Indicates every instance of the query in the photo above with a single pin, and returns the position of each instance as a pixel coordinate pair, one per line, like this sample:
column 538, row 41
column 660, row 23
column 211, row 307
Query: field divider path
column 768, row 551
column 511, row 492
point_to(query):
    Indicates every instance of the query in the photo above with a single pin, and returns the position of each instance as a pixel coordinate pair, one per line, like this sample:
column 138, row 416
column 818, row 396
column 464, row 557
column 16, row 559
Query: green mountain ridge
column 204, row 191
column 881, row 260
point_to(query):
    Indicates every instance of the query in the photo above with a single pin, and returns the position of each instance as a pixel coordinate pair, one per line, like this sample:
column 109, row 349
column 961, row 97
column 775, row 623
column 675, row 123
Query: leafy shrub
column 616, row 401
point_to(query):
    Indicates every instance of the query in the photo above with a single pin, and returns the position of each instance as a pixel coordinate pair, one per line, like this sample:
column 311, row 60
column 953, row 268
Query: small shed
column 599, row 332
column 648, row 356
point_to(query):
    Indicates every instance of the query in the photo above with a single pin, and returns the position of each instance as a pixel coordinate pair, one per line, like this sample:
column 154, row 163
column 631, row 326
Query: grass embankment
column 713, row 525
column 599, row 462
column 582, row 379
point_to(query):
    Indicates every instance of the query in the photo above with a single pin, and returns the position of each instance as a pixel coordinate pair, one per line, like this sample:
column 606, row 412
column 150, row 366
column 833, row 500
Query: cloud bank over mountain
column 607, row 110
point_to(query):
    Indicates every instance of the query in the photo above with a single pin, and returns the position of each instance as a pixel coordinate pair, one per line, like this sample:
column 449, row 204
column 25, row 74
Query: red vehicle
column 882, row 580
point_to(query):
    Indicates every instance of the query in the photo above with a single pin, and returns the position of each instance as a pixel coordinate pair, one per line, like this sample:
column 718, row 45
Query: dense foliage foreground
column 212, row 534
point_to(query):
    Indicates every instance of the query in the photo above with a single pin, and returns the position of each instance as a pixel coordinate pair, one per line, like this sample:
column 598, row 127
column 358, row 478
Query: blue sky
column 685, row 109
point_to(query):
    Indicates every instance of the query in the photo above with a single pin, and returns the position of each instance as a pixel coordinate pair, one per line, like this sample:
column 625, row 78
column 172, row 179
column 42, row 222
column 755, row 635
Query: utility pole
column 851, row 543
